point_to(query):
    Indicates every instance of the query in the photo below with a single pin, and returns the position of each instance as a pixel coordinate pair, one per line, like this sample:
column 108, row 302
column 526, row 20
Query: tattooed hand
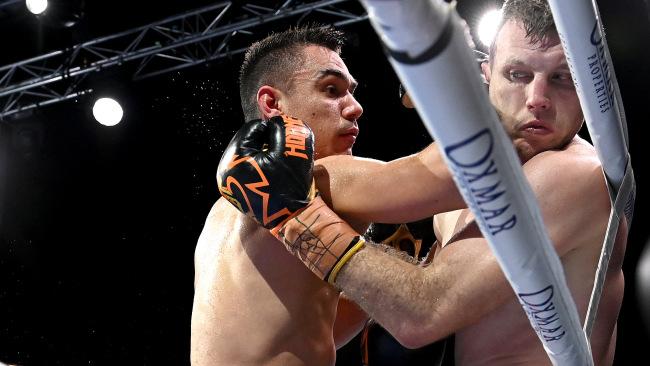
column 320, row 239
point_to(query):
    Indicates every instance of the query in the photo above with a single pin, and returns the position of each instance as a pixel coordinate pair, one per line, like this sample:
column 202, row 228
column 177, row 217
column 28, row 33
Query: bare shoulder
column 571, row 192
column 574, row 171
column 221, row 211
column 222, row 217
column 577, row 160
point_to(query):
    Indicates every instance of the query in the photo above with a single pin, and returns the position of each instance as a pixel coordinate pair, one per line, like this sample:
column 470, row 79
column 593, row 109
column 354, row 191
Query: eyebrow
column 514, row 61
column 518, row 62
column 337, row 73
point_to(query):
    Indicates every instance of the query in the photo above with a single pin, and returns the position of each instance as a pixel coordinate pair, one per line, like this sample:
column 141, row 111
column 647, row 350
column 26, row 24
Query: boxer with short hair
column 464, row 290
column 254, row 304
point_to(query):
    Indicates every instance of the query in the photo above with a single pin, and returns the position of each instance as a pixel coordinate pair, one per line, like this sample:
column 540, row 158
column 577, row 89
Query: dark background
column 98, row 225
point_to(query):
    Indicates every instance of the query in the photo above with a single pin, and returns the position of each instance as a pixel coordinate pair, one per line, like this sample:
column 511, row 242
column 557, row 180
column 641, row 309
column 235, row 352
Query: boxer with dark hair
column 253, row 304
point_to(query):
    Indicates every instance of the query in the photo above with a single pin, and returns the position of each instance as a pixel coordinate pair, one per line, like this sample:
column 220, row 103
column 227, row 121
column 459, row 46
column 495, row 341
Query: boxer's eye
column 563, row 78
column 516, row 75
column 332, row 90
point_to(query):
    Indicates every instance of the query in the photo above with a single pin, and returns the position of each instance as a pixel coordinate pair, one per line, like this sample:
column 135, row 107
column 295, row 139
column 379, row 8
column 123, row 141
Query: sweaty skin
column 247, row 310
column 250, row 298
column 482, row 343
column 256, row 304
column 464, row 291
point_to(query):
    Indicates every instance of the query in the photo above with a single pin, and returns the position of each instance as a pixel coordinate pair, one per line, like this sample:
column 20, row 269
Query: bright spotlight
column 487, row 27
column 36, row 6
column 107, row 111
column 643, row 284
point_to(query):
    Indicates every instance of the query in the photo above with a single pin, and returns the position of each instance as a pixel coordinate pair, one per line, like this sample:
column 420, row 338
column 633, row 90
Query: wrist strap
column 355, row 245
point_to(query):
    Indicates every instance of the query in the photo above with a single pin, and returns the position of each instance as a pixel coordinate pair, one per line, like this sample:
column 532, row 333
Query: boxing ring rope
column 578, row 24
column 427, row 48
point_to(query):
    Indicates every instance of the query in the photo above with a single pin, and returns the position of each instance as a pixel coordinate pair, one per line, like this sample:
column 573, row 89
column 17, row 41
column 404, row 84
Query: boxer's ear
column 487, row 73
column 268, row 101
column 404, row 97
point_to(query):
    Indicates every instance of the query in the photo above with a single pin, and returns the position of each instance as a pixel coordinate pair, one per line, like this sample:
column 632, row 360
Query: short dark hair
column 534, row 15
column 271, row 60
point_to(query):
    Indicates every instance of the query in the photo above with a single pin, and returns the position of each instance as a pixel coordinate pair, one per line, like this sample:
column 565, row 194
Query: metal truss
column 180, row 41
column 4, row 3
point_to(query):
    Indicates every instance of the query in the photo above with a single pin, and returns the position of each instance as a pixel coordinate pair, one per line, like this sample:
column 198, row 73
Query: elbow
column 417, row 334
column 411, row 340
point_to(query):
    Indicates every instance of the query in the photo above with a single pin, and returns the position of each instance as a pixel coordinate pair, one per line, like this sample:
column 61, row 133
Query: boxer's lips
column 536, row 127
column 350, row 134
column 349, row 137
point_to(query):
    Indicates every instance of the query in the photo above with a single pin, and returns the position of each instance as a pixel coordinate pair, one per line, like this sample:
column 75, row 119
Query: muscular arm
column 369, row 190
column 350, row 318
column 464, row 282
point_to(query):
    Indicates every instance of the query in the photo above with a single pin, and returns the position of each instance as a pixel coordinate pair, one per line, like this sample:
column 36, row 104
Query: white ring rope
column 446, row 87
column 578, row 24
column 593, row 74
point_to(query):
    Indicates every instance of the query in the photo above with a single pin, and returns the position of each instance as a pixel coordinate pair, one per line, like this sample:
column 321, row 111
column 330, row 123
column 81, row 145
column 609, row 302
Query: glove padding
column 266, row 170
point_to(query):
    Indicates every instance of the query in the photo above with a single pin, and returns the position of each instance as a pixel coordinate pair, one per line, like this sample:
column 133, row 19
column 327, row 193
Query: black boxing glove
column 266, row 170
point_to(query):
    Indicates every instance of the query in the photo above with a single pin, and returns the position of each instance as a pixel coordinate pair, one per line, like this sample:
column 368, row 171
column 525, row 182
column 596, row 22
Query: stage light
column 36, row 6
column 59, row 14
column 107, row 111
column 643, row 285
column 487, row 26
